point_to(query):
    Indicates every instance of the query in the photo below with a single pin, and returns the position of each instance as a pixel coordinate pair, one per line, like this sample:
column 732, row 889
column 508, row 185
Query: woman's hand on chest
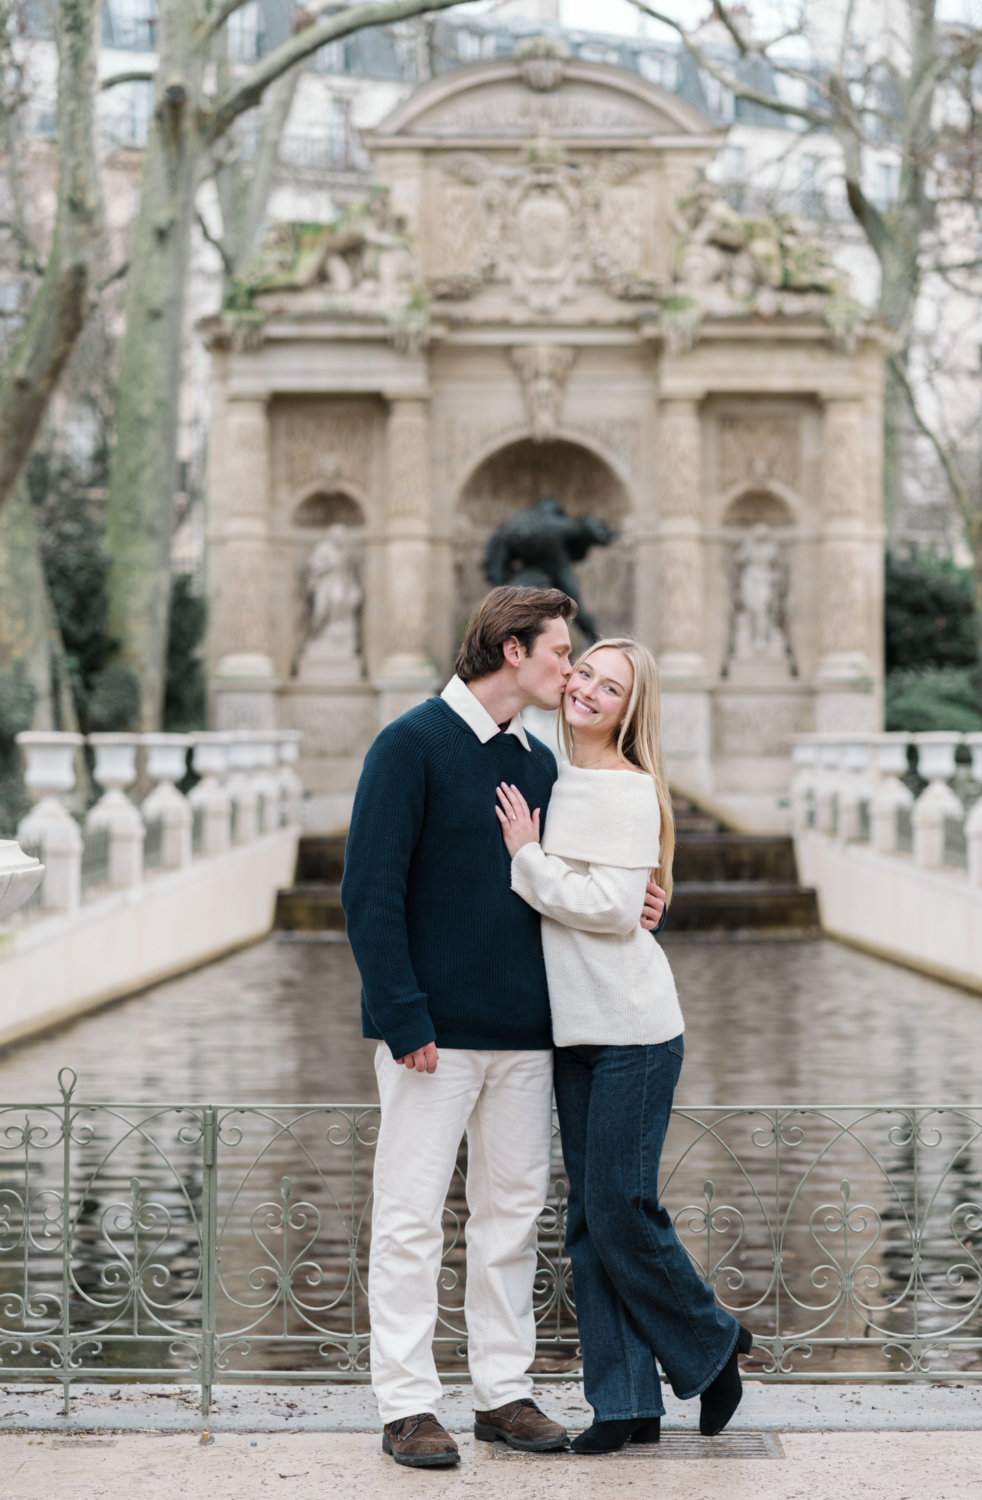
column 519, row 826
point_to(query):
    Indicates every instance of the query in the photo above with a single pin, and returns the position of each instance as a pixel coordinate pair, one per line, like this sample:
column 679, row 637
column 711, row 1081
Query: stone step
column 312, row 907
column 320, row 859
column 734, row 856
column 756, row 906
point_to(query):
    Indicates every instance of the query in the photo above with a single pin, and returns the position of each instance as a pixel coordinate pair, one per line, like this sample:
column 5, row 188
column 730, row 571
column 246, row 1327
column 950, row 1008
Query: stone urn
column 20, row 876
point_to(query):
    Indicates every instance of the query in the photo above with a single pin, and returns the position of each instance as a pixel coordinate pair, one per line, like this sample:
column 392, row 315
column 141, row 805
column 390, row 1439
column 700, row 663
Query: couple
column 495, row 914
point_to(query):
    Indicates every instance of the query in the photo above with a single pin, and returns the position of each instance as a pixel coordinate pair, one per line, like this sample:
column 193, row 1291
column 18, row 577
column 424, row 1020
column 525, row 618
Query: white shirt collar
column 460, row 698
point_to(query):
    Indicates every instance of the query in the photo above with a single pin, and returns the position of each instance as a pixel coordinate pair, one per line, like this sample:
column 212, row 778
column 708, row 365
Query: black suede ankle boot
column 607, row 1437
column 720, row 1400
column 649, row 1433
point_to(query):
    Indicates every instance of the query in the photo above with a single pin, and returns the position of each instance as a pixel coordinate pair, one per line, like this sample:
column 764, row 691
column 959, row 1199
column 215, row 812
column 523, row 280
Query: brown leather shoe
column 521, row 1425
column 420, row 1442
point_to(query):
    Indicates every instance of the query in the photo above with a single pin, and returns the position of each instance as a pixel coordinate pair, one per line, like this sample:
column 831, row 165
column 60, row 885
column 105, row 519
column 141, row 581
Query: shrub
column 919, row 699
column 930, row 616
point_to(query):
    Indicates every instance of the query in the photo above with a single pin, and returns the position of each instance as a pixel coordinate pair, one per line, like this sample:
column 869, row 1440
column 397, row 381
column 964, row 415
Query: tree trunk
column 28, row 629
column 62, row 301
column 140, row 512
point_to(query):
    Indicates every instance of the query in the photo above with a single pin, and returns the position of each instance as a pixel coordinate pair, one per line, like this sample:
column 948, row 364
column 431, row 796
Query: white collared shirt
column 460, row 698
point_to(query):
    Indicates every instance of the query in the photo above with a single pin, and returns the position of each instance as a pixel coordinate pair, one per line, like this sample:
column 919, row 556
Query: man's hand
column 654, row 906
column 424, row 1059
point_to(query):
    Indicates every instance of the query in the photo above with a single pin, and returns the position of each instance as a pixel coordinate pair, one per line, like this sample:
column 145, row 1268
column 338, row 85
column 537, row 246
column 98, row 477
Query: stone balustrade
column 869, row 788
column 888, row 829
column 248, row 787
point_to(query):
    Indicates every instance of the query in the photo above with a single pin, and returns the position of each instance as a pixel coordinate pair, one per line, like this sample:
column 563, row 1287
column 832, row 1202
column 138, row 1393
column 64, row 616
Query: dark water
column 774, row 1023
column 873, row 1218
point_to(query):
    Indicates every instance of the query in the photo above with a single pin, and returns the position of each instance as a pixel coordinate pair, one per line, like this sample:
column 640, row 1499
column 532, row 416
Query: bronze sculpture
column 536, row 547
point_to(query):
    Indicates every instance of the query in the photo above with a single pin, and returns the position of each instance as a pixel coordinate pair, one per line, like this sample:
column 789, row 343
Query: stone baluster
column 890, row 794
column 265, row 781
column 239, row 567
column 407, row 675
column 209, row 796
column 829, row 783
column 20, row 876
column 936, row 763
column 855, row 787
column 291, row 787
column 245, row 799
column 844, row 672
column 681, row 586
column 115, row 769
column 50, row 770
column 804, row 758
column 973, row 823
column 167, row 764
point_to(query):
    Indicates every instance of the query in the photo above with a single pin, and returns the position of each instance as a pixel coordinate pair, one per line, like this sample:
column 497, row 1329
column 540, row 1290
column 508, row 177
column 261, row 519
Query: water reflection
column 868, row 1229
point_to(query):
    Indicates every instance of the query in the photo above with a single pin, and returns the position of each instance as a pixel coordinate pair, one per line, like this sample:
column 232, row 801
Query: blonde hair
column 639, row 738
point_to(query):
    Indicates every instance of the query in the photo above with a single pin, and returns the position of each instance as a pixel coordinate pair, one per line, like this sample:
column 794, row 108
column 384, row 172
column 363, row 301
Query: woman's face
column 598, row 693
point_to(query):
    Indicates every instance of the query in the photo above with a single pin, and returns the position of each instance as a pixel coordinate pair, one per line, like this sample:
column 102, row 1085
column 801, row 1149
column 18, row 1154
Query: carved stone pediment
column 512, row 109
column 512, row 99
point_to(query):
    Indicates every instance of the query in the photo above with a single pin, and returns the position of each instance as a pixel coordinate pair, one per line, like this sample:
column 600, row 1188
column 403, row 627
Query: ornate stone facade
column 540, row 298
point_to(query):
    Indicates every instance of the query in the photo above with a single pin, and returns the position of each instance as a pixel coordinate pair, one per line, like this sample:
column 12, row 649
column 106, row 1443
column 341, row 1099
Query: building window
column 886, row 181
column 810, row 191
column 130, row 25
column 719, row 100
column 658, row 69
column 733, row 172
column 245, row 33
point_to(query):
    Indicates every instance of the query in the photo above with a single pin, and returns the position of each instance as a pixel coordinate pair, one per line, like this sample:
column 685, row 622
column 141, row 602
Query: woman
column 618, row 1034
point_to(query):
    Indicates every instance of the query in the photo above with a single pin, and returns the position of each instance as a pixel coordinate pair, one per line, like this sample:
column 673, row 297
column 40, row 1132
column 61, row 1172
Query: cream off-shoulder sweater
column 609, row 981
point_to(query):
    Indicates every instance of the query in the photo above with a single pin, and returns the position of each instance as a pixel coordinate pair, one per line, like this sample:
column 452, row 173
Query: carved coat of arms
column 544, row 227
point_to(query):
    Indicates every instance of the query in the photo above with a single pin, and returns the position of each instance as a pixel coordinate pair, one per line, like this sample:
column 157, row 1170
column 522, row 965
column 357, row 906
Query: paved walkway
column 829, row 1442
column 349, row 1466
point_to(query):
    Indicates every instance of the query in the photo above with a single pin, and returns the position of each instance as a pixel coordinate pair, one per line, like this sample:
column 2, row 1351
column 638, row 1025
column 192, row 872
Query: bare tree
column 191, row 116
column 61, row 301
column 917, row 92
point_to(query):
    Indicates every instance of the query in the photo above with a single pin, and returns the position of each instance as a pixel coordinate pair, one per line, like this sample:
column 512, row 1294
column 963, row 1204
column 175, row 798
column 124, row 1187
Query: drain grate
column 673, row 1446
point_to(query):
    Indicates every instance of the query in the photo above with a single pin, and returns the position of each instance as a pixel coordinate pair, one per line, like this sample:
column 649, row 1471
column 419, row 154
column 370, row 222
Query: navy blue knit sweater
column 447, row 952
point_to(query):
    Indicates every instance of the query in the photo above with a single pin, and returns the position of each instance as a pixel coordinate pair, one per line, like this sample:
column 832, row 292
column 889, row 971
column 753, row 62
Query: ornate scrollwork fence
column 229, row 1242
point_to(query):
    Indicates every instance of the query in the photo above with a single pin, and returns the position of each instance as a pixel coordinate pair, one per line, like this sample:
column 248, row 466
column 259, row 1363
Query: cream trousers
column 503, row 1100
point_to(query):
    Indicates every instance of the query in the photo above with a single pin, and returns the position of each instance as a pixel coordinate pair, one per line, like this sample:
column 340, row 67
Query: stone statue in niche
column 334, row 597
column 537, row 547
column 759, row 641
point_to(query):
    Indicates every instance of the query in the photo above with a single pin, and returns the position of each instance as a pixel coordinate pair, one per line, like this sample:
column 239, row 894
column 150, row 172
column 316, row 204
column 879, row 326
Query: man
column 454, row 990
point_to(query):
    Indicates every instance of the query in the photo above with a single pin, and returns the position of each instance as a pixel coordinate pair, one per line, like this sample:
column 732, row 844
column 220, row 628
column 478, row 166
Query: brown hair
column 505, row 612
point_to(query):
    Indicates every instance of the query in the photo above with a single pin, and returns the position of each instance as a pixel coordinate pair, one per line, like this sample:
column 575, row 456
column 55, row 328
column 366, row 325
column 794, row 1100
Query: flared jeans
column 638, row 1295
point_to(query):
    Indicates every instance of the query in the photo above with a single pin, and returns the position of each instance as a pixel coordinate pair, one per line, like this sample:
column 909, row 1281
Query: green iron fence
column 229, row 1242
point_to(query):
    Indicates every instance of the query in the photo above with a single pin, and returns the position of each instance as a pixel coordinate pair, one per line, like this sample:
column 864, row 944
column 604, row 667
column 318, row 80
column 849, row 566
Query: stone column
column 844, row 676
column 244, row 683
column 681, row 595
column 408, row 676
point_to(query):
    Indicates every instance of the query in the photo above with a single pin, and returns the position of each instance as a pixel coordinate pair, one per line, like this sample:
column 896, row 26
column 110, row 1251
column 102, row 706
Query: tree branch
column 956, row 481
column 248, row 90
column 138, row 76
column 730, row 81
column 217, row 21
column 215, row 243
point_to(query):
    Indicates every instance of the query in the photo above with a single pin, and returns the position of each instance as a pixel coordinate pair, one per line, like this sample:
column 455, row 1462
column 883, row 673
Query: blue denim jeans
column 638, row 1294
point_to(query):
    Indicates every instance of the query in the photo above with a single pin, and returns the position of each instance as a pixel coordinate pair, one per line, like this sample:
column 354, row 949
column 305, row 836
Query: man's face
column 542, row 675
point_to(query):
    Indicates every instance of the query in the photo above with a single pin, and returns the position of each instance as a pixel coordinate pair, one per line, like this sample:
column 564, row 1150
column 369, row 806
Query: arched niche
column 325, row 508
column 517, row 475
column 758, row 508
column 311, row 519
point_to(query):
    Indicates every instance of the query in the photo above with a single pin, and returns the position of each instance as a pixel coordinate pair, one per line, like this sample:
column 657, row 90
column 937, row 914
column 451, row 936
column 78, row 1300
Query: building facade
column 524, row 308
